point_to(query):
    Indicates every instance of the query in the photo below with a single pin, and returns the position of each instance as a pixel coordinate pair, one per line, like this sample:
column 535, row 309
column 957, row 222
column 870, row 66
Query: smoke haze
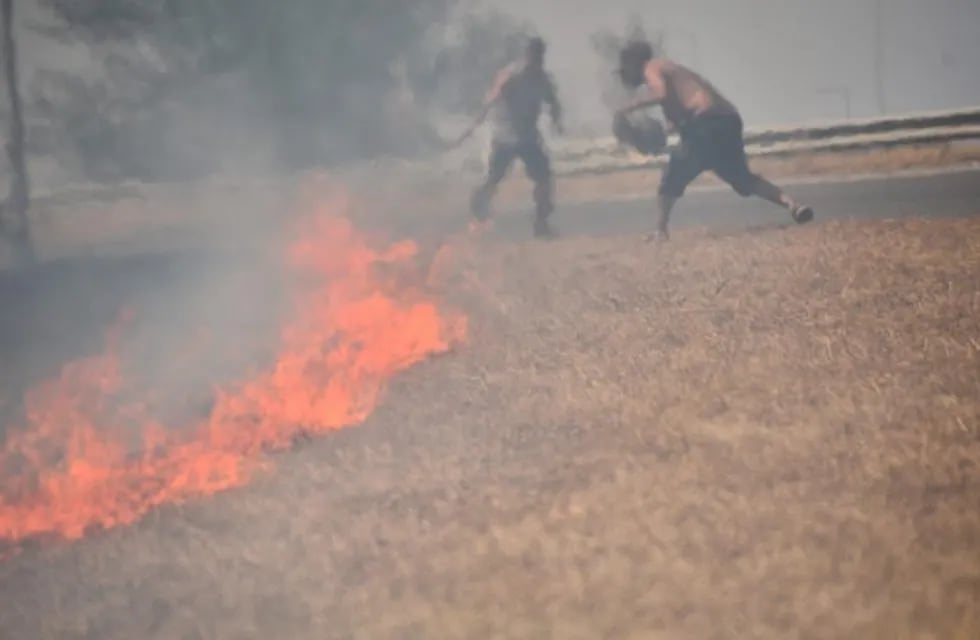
column 780, row 61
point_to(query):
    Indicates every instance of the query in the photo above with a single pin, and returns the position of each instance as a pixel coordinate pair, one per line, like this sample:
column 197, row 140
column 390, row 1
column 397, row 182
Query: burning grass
column 92, row 454
column 771, row 434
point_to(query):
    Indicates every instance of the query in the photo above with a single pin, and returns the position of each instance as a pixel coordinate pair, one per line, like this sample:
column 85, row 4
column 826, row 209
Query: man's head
column 534, row 52
column 633, row 59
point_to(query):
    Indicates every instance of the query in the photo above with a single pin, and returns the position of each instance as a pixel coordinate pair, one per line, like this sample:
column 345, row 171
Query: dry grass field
column 759, row 434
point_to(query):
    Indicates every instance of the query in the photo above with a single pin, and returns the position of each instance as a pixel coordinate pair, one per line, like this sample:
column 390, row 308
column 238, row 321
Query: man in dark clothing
column 514, row 105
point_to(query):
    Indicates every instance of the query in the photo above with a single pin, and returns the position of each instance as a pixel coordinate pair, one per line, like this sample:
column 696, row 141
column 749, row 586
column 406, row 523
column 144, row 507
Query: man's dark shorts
column 711, row 142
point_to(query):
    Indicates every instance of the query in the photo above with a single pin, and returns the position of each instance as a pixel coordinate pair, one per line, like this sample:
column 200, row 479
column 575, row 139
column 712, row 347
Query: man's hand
column 628, row 108
column 638, row 103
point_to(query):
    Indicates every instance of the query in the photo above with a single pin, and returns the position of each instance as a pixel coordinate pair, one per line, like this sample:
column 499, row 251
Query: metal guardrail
column 758, row 137
column 908, row 122
column 622, row 161
column 605, row 155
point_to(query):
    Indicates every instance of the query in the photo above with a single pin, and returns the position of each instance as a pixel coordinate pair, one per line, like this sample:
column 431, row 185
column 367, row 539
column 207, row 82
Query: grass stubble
column 767, row 434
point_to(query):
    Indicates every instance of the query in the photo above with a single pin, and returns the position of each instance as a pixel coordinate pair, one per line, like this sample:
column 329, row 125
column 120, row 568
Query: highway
column 947, row 194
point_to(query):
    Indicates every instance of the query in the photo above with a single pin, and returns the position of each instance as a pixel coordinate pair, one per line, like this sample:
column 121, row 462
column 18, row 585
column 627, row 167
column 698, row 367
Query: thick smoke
column 183, row 90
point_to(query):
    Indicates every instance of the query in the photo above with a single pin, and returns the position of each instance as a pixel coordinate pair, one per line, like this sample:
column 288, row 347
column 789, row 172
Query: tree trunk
column 18, row 201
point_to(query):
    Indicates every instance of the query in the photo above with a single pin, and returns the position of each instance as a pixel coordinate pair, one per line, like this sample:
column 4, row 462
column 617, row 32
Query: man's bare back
column 683, row 94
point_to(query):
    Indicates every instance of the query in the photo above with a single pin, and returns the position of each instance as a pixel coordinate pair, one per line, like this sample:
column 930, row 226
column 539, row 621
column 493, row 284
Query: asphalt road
column 952, row 194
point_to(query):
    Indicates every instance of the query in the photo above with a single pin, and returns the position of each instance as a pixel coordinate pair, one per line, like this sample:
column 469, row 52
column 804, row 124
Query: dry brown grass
column 755, row 435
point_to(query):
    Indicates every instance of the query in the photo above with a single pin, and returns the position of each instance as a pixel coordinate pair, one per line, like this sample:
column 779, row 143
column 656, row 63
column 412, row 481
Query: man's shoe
column 802, row 214
column 660, row 235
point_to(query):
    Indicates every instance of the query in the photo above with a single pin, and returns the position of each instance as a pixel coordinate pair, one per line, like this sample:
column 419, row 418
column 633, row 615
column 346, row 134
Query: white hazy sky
column 777, row 58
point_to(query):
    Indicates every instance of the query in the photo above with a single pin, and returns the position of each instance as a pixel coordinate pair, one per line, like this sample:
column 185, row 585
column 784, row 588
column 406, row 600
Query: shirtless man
column 515, row 100
column 710, row 128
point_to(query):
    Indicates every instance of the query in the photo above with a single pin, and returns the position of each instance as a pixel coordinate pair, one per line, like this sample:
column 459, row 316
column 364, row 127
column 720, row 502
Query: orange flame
column 72, row 467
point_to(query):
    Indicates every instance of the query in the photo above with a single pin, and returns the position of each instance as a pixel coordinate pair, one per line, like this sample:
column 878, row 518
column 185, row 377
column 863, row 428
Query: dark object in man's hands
column 645, row 134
